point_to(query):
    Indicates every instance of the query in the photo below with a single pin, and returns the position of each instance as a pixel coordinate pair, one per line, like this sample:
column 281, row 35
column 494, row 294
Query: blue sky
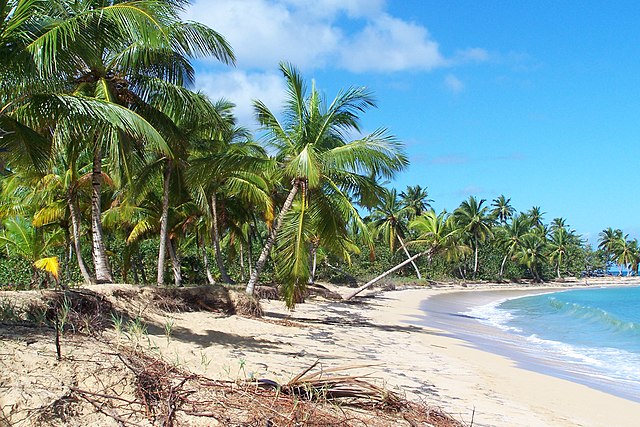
column 538, row 101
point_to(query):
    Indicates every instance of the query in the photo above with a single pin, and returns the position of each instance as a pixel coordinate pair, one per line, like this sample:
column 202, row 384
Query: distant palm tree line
column 104, row 145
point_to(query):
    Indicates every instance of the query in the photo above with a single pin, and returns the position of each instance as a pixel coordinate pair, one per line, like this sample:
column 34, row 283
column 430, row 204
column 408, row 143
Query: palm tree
column 121, row 53
column 558, row 223
column 559, row 247
column 509, row 237
column 416, row 200
column 608, row 240
column 315, row 157
column 32, row 244
column 625, row 252
column 474, row 219
column 535, row 216
column 438, row 233
column 226, row 166
column 502, row 209
column 388, row 219
column 532, row 254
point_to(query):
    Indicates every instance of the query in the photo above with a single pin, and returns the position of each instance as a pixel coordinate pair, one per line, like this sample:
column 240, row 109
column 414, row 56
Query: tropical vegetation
column 111, row 164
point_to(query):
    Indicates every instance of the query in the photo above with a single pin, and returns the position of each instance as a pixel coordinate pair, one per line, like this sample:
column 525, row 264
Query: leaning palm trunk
column 475, row 262
column 215, row 237
column 164, row 220
column 75, row 225
column 504, row 261
column 406, row 251
column 175, row 263
column 67, row 254
column 385, row 274
column 314, row 263
column 241, row 262
column 99, row 251
column 262, row 260
column 207, row 270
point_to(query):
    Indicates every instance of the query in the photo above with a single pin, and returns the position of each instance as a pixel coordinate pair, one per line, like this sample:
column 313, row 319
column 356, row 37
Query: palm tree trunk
column 134, row 270
column 383, row 275
column 314, row 263
column 406, row 251
column 98, row 249
column 164, row 224
column 475, row 263
column 175, row 263
column 504, row 261
column 141, row 268
column 215, row 237
column 249, row 247
column 75, row 226
column 262, row 260
column 207, row 270
column 241, row 262
column 67, row 254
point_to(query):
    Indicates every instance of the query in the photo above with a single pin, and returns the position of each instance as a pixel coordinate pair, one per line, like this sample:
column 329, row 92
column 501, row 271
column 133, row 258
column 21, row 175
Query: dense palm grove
column 114, row 170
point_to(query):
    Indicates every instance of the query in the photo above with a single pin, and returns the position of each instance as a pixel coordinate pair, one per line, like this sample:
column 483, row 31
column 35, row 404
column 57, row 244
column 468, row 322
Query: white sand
column 421, row 361
column 466, row 382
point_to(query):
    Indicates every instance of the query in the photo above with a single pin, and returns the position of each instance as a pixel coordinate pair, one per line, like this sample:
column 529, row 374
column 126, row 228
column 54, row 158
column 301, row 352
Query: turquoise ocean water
column 588, row 335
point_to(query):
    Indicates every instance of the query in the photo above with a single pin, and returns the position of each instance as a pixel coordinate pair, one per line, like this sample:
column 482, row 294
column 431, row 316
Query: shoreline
column 497, row 387
column 472, row 317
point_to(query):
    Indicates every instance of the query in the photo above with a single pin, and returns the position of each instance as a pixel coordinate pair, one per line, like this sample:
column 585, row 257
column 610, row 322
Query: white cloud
column 474, row 54
column 242, row 88
column 357, row 35
column 354, row 35
column 263, row 33
column 391, row 44
column 453, row 83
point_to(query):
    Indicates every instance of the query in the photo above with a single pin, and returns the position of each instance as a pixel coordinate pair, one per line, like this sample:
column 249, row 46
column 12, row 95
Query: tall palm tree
column 416, row 200
column 475, row 220
column 532, row 254
column 226, row 166
column 502, row 209
column 440, row 234
column 535, row 216
column 625, row 253
column 559, row 247
column 315, row 156
column 120, row 53
column 558, row 223
column 608, row 240
column 509, row 237
column 389, row 221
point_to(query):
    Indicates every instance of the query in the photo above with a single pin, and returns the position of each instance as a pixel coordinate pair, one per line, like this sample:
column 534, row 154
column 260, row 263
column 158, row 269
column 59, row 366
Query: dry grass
column 99, row 382
column 167, row 396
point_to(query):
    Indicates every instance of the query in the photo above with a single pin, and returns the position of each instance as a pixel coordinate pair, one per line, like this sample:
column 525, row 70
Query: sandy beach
column 385, row 332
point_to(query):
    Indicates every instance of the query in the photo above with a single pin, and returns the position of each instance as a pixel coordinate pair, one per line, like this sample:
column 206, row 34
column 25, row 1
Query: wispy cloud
column 452, row 159
column 470, row 190
column 242, row 87
column 512, row 157
column 474, row 54
column 453, row 83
